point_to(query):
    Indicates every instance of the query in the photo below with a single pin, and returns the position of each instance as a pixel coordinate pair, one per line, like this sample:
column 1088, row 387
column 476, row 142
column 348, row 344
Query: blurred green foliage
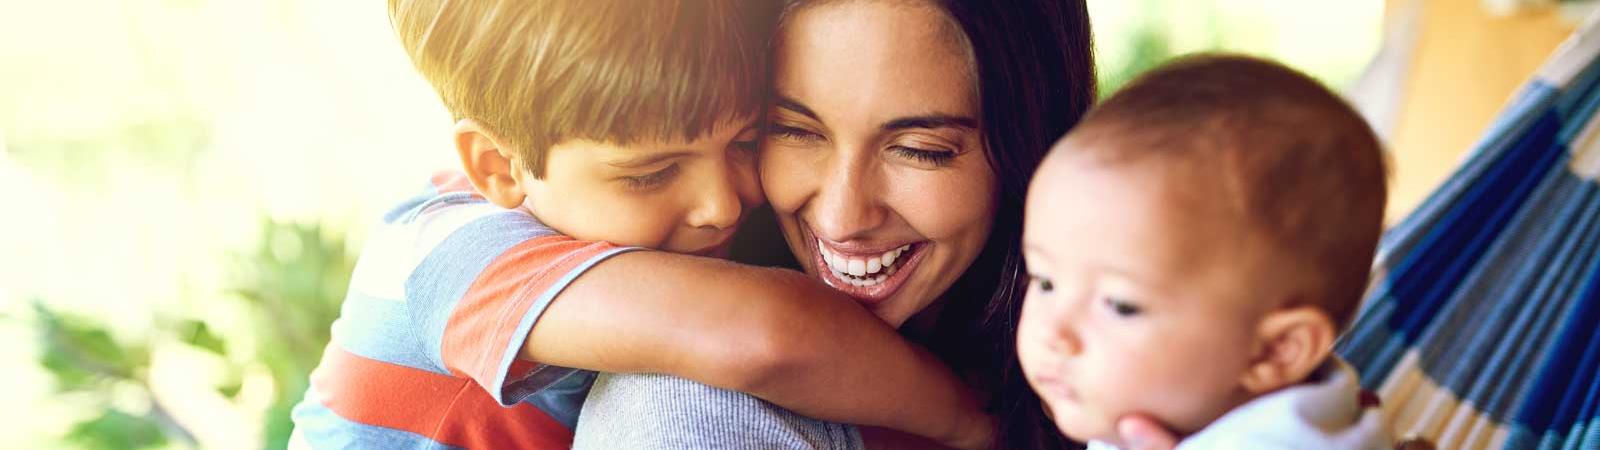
column 293, row 282
column 291, row 285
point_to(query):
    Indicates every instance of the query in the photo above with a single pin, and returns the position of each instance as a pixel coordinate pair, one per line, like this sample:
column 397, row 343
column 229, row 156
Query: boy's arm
column 773, row 333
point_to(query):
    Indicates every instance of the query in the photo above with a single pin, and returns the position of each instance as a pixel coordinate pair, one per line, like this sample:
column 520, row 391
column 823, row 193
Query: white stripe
column 393, row 251
column 1574, row 54
column 1416, row 406
column 1585, row 150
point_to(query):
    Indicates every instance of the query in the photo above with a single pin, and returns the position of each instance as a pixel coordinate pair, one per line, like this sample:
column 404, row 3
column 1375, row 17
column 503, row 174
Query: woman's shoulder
column 648, row 411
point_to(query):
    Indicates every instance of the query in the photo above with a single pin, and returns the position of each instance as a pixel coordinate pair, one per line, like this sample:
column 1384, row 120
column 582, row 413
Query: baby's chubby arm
column 773, row 333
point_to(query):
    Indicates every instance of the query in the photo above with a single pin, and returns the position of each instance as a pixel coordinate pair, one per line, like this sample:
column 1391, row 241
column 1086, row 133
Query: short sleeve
column 484, row 277
column 648, row 411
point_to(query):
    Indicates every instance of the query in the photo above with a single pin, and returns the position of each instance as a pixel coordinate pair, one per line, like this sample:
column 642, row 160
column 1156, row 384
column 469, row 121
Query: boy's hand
column 1139, row 432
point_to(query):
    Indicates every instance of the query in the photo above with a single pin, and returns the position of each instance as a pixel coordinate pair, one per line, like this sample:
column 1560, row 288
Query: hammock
column 1482, row 327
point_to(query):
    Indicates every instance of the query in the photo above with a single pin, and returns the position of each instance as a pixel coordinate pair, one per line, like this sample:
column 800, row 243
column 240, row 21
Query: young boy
column 589, row 131
column 1196, row 244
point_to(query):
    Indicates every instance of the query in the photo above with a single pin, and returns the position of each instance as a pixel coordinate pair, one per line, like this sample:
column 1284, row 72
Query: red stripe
column 484, row 323
column 451, row 181
column 449, row 410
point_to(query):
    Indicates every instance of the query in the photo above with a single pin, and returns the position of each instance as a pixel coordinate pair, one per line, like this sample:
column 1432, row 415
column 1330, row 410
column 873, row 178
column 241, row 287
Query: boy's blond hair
column 1299, row 165
column 540, row 72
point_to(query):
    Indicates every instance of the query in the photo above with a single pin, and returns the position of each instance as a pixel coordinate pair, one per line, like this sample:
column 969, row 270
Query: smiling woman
column 901, row 188
column 895, row 163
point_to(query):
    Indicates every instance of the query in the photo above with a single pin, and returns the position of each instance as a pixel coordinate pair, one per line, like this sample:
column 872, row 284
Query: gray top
column 643, row 412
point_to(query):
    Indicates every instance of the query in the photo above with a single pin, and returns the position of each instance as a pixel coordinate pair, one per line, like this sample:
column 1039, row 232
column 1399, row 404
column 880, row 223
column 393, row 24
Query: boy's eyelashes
column 650, row 180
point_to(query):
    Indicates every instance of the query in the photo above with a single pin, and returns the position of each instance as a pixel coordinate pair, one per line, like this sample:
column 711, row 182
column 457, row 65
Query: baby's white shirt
column 1323, row 415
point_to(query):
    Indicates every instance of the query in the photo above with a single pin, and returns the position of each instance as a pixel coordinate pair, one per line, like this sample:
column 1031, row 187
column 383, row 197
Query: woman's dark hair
column 1035, row 79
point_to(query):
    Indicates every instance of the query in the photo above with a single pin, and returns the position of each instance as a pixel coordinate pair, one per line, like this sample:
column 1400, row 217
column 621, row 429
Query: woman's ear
column 490, row 165
column 1293, row 342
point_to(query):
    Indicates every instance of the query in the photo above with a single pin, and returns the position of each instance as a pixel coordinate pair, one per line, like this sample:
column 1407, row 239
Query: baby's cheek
column 1184, row 392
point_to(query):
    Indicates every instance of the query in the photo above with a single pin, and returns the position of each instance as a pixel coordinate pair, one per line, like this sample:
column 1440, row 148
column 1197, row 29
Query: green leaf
column 230, row 390
column 79, row 351
column 69, row 376
column 196, row 333
column 114, row 429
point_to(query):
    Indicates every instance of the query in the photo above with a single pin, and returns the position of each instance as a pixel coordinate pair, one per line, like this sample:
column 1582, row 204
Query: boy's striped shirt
column 424, row 353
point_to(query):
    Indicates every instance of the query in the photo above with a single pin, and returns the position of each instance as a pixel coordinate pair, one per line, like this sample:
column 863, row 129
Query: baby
column 1195, row 246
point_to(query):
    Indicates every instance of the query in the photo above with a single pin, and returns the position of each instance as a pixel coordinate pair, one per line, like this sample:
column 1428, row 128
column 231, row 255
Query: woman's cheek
column 783, row 180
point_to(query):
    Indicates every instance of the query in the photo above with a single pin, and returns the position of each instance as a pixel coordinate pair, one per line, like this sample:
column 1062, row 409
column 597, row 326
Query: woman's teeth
column 867, row 271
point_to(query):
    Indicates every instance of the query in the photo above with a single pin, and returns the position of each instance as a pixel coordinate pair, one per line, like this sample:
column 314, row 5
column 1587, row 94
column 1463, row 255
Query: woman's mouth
column 869, row 276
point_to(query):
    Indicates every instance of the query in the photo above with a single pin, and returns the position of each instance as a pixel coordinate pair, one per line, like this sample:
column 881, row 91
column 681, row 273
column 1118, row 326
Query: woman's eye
column 650, row 180
column 1122, row 307
column 935, row 157
column 786, row 132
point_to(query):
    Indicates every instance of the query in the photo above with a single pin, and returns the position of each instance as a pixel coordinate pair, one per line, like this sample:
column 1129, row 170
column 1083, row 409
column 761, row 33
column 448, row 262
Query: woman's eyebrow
column 795, row 105
column 923, row 121
column 931, row 121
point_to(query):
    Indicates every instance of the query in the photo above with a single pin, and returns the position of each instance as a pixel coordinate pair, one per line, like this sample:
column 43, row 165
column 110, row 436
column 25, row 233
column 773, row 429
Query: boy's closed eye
column 650, row 181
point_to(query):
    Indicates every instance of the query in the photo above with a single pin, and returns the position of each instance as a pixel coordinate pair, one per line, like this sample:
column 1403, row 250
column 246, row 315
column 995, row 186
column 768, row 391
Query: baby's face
column 1145, row 296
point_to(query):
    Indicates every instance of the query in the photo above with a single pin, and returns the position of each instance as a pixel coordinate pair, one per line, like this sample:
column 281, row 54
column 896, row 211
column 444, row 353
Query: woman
column 901, row 139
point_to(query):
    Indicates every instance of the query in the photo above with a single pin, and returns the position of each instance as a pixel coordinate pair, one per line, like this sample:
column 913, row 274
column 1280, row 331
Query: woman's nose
column 849, row 201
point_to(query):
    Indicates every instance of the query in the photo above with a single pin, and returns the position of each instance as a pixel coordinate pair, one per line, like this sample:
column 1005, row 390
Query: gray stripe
column 664, row 412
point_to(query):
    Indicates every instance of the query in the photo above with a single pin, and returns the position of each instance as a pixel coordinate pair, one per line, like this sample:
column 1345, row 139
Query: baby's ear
column 1292, row 343
column 488, row 164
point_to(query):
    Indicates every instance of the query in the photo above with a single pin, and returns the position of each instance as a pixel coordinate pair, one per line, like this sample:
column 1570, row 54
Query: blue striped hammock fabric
column 1482, row 326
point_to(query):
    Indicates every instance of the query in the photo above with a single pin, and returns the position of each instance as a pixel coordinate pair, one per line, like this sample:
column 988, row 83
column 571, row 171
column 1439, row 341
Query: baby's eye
column 1122, row 307
column 1045, row 285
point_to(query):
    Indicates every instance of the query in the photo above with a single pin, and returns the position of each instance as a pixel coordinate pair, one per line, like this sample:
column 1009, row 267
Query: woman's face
column 875, row 161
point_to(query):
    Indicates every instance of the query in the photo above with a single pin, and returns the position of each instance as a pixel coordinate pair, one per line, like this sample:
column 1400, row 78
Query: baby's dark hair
column 1296, row 163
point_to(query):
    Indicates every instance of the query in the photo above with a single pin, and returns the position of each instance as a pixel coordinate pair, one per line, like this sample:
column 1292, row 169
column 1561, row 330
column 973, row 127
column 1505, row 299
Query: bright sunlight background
column 189, row 180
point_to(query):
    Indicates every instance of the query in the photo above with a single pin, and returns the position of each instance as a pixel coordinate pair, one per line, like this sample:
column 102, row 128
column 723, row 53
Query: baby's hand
column 1139, row 432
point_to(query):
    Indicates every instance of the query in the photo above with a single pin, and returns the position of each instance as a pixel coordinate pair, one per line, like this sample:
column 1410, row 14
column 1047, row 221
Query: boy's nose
column 717, row 205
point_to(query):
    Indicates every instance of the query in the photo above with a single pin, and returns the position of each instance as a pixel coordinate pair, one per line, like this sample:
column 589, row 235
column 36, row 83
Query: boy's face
column 1145, row 295
column 682, row 197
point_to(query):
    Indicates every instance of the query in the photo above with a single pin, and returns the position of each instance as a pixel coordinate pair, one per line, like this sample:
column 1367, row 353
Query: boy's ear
column 1293, row 342
column 488, row 164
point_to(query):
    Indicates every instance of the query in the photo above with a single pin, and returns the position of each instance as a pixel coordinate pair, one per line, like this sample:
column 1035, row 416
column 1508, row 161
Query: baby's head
column 616, row 120
column 1196, row 242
